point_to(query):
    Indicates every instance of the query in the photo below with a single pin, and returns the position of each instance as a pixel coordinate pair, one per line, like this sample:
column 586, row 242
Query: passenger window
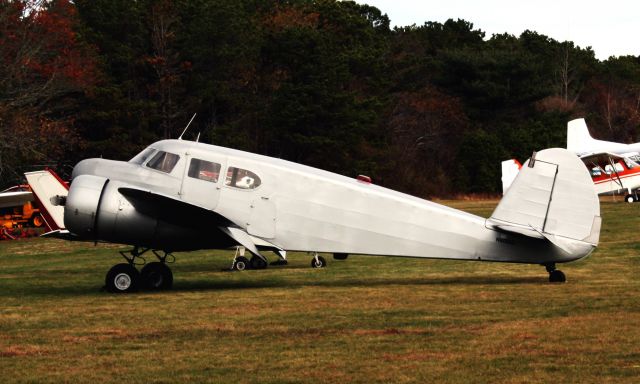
column 163, row 161
column 241, row 178
column 204, row 170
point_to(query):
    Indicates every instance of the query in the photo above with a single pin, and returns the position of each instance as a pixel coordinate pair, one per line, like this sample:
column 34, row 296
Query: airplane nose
column 85, row 167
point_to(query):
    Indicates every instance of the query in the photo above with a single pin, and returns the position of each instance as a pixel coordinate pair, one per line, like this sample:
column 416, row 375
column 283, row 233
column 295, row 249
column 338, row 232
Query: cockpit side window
column 242, row 178
column 142, row 156
column 163, row 161
column 204, row 170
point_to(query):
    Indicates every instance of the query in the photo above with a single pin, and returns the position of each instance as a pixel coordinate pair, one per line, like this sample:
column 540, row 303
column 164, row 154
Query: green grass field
column 363, row 320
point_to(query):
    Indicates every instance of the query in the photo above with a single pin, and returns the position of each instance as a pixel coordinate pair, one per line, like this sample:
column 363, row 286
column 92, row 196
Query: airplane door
column 201, row 182
column 262, row 220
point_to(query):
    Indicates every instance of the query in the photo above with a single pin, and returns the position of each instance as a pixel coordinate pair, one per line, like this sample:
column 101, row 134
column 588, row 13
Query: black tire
column 156, row 276
column 629, row 199
column 122, row 278
column 340, row 256
column 557, row 276
column 36, row 221
column 241, row 263
column 319, row 263
column 257, row 263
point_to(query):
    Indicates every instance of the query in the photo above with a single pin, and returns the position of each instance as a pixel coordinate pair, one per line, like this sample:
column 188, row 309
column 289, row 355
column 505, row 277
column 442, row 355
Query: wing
column 600, row 157
column 15, row 199
column 181, row 213
column 172, row 210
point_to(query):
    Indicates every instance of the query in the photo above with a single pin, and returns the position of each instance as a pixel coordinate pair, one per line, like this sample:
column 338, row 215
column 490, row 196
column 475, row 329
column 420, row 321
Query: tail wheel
column 156, row 276
column 122, row 278
column 36, row 221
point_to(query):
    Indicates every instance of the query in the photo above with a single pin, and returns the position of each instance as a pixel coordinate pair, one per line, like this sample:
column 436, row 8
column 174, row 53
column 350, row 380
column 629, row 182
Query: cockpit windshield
column 142, row 156
column 163, row 161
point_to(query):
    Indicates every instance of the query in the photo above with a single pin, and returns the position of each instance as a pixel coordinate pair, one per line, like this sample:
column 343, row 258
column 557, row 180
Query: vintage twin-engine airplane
column 179, row 195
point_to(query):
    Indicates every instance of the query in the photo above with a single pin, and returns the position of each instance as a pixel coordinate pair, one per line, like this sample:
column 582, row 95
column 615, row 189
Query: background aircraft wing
column 599, row 157
column 15, row 199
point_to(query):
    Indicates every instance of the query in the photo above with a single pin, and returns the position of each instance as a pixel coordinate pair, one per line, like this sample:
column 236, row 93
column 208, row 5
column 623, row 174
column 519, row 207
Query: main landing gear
column 240, row 262
column 124, row 277
column 555, row 275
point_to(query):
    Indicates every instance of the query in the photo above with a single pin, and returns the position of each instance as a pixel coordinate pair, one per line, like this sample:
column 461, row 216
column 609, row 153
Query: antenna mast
column 187, row 127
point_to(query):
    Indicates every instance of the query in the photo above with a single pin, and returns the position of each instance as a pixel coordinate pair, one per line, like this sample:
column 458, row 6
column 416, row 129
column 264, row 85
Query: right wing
column 185, row 214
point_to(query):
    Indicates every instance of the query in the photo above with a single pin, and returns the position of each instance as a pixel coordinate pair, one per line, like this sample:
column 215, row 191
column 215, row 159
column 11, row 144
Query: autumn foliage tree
column 43, row 69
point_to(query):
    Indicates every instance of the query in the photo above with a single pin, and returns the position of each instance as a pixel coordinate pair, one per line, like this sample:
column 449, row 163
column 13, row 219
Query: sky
column 610, row 28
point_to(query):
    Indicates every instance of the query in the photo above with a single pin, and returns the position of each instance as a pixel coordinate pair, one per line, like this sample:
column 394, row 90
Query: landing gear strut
column 318, row 261
column 124, row 277
column 555, row 275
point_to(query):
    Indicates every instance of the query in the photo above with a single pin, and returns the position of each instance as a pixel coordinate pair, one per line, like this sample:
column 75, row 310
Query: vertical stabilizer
column 553, row 198
column 579, row 139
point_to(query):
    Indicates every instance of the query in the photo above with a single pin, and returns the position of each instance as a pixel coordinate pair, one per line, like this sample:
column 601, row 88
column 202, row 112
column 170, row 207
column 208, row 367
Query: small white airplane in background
column 179, row 195
column 613, row 166
column 580, row 142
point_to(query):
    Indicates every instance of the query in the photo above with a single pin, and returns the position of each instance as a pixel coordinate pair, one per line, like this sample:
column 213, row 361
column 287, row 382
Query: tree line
column 427, row 109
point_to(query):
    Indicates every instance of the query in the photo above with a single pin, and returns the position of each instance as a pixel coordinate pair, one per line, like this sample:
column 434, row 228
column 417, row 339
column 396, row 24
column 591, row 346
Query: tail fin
column 552, row 197
column 510, row 169
column 578, row 137
column 47, row 185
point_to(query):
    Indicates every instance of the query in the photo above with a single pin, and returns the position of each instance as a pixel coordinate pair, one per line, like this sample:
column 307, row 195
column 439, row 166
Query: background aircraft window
column 241, row 178
column 204, row 170
column 163, row 161
column 142, row 156
column 630, row 163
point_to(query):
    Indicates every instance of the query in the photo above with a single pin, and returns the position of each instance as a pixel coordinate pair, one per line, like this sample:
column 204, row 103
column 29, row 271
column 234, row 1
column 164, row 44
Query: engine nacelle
column 95, row 210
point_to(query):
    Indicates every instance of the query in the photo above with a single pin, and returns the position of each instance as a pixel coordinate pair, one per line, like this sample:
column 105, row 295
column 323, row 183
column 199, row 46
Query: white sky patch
column 611, row 28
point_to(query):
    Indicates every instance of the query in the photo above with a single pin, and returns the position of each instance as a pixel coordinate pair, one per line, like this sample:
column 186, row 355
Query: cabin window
column 204, row 170
column 142, row 156
column 630, row 162
column 163, row 161
column 241, row 178
column 596, row 171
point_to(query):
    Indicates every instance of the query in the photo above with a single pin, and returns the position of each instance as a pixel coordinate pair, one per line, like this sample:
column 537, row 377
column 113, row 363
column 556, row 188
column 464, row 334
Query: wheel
column 122, row 278
column 156, row 276
column 241, row 263
column 319, row 263
column 36, row 221
column 629, row 199
column 557, row 276
column 340, row 256
column 256, row 262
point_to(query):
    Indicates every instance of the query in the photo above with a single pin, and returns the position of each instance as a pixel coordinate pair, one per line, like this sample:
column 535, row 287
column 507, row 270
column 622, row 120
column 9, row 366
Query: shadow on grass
column 260, row 283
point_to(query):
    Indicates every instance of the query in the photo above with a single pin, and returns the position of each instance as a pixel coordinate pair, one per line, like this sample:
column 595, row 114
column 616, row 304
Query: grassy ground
column 362, row 320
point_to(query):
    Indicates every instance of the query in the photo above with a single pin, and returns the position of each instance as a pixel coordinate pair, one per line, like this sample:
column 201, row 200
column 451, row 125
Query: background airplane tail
column 510, row 169
column 552, row 197
column 578, row 137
